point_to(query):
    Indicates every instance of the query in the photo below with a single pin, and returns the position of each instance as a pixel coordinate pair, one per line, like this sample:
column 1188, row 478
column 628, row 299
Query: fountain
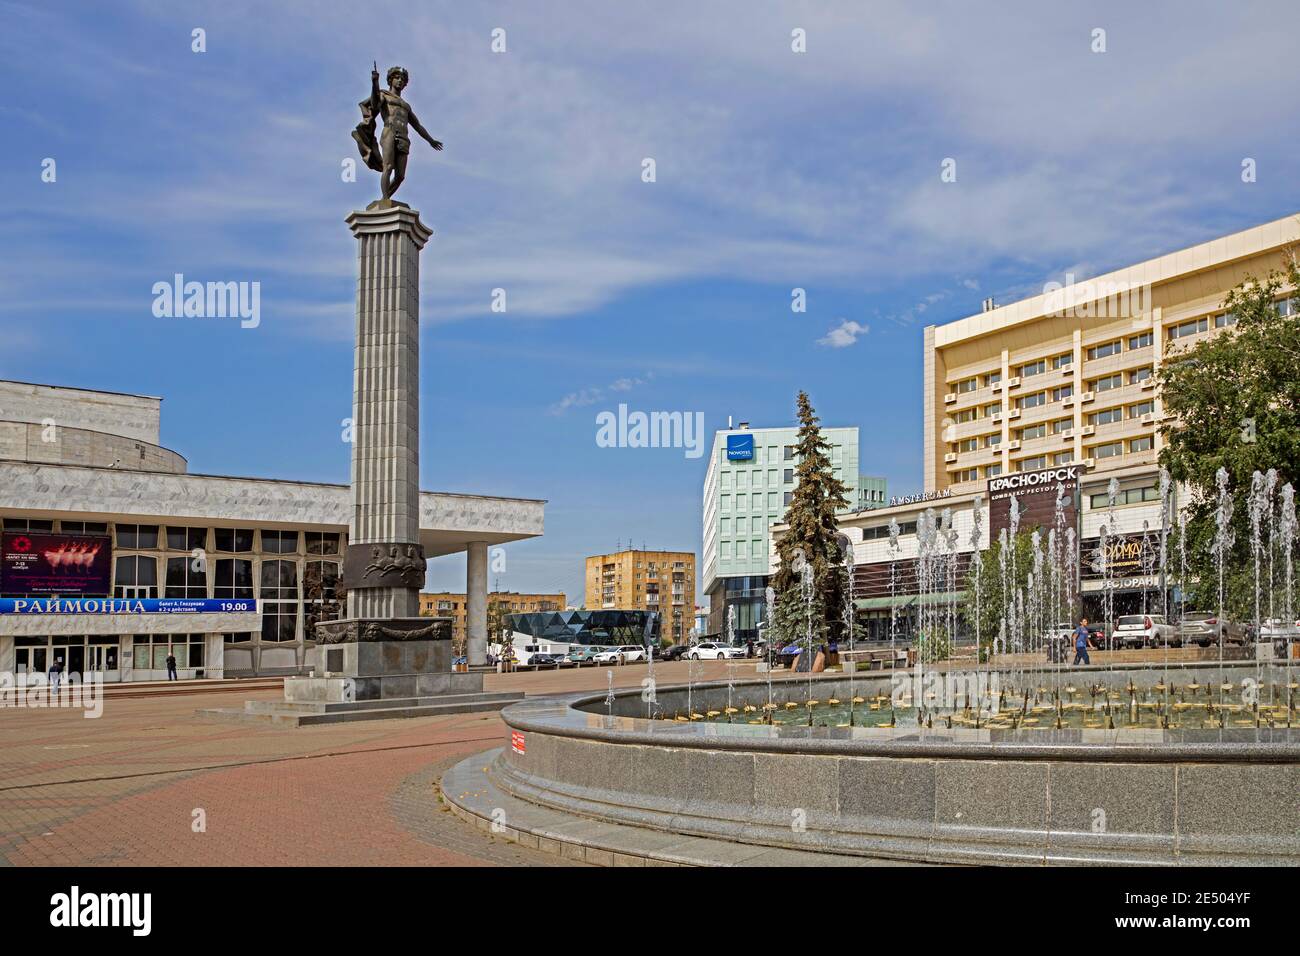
column 985, row 761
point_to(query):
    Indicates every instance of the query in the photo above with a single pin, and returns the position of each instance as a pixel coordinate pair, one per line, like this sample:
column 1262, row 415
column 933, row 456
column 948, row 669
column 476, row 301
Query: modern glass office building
column 602, row 628
column 750, row 481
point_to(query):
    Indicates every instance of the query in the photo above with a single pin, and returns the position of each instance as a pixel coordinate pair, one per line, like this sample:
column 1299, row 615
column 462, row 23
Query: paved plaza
column 124, row 789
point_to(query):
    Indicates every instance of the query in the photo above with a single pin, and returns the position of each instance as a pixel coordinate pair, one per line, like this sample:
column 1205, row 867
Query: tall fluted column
column 384, row 566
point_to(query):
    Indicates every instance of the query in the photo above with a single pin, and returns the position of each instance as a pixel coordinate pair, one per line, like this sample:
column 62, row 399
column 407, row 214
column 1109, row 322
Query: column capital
column 378, row 219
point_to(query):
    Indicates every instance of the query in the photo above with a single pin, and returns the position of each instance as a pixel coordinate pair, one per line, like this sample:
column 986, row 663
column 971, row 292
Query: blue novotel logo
column 127, row 606
column 740, row 447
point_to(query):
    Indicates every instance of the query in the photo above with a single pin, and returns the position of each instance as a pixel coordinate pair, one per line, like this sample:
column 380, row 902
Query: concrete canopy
column 448, row 522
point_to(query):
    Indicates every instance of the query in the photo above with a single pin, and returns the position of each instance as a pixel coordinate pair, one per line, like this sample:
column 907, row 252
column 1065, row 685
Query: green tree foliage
column 1232, row 401
column 813, row 525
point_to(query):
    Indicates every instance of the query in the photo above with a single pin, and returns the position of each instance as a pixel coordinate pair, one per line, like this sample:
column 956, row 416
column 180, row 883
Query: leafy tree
column 496, row 621
column 1232, row 401
column 812, row 522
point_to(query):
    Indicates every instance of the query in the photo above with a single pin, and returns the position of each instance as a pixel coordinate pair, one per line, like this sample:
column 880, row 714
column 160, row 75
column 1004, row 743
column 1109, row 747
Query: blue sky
column 774, row 169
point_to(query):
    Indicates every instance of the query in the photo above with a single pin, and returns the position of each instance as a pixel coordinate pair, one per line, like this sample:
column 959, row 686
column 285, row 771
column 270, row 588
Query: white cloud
column 844, row 334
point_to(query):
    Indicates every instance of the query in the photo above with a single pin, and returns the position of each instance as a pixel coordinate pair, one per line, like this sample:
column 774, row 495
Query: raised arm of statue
column 374, row 90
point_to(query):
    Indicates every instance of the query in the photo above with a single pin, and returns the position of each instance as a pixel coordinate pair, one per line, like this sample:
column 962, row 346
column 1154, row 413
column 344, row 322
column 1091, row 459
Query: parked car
column 675, row 652
column 1206, row 628
column 1144, row 630
column 621, row 655
column 585, row 652
column 713, row 651
column 547, row 660
column 1102, row 635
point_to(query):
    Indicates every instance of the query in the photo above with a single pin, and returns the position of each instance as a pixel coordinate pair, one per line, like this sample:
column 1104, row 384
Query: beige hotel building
column 1068, row 376
column 1059, row 387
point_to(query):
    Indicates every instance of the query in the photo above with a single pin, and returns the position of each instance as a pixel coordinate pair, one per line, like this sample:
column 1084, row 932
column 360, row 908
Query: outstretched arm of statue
column 415, row 125
column 374, row 89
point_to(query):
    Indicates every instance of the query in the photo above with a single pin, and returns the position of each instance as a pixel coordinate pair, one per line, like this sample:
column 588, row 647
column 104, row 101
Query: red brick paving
column 122, row 789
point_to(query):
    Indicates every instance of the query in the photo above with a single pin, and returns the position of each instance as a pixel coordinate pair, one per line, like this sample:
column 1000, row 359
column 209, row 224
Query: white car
column 621, row 655
column 1144, row 630
column 712, row 651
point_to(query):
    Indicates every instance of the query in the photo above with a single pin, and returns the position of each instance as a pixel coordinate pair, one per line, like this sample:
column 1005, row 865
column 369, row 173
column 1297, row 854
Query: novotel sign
column 740, row 447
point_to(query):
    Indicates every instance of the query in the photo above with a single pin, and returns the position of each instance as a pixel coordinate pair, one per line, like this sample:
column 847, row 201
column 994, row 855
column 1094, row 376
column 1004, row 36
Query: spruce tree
column 813, row 524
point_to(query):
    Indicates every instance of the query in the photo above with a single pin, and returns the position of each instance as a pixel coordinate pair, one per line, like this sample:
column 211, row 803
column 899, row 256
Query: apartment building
column 638, row 580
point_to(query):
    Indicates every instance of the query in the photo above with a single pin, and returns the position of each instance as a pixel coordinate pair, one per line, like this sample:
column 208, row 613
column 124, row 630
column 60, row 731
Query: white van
column 526, row 647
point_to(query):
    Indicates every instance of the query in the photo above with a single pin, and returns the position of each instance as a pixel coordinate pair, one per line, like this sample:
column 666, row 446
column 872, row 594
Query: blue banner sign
column 740, row 447
column 128, row 606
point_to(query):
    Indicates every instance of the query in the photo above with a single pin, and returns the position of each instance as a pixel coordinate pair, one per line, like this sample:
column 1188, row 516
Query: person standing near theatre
column 171, row 667
column 1081, row 642
column 55, row 674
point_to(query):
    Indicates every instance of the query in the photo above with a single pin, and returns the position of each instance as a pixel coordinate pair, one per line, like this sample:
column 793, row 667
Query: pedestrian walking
column 1081, row 643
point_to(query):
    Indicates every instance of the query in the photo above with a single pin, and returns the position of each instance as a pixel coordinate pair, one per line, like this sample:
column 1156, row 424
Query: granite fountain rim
column 560, row 715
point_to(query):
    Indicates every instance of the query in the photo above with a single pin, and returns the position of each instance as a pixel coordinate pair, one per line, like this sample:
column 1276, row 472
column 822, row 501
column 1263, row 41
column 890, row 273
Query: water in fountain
column 609, row 694
column 1256, row 502
column 952, row 543
column 1182, row 564
column 977, row 528
column 1287, row 534
column 1112, row 497
column 648, row 692
column 1004, row 563
column 770, row 598
column 926, row 537
column 893, row 585
column 850, row 615
column 1047, row 596
column 1223, row 540
column 807, row 591
column 1166, row 519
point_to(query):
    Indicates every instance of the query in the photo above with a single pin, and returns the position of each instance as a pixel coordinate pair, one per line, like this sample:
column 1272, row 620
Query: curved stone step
column 471, row 795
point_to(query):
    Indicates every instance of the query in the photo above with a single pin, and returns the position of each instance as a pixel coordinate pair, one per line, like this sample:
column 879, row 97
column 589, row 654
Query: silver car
column 1207, row 628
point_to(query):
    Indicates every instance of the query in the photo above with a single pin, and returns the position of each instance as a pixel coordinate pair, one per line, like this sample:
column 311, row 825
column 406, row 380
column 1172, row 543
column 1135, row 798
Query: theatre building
column 114, row 555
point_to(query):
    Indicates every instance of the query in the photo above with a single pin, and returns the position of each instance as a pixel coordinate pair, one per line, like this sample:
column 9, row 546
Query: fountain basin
column 1139, row 796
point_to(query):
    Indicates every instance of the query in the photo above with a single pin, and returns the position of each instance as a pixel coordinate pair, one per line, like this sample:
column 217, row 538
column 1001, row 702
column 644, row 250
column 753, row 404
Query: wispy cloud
column 590, row 396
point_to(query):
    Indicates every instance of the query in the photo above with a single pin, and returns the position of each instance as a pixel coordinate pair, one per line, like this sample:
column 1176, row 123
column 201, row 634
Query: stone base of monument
column 373, row 680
